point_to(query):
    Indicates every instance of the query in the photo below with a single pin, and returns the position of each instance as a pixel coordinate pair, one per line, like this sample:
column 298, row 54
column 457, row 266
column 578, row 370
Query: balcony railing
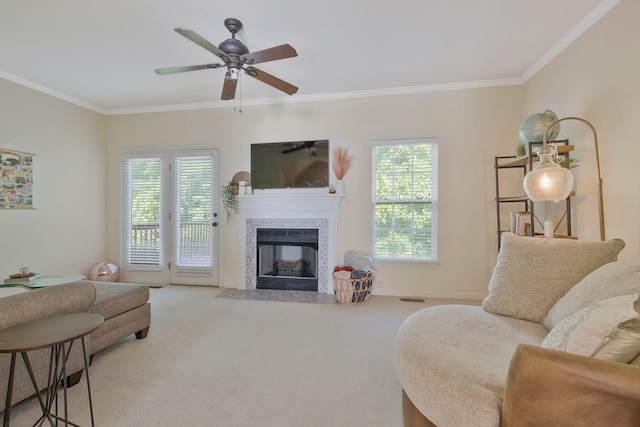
column 193, row 244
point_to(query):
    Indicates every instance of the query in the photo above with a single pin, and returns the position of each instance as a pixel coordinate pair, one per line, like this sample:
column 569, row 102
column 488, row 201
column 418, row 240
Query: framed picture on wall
column 16, row 179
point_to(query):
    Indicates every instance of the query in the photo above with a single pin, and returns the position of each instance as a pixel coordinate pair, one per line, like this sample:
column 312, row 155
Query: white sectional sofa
column 456, row 363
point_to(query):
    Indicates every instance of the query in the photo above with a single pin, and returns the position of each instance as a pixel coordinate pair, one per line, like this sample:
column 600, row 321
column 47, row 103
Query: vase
column 339, row 186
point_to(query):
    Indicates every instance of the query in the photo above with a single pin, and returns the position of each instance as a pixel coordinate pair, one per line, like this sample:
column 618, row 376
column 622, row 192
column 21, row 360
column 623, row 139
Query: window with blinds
column 405, row 199
column 192, row 206
column 142, row 212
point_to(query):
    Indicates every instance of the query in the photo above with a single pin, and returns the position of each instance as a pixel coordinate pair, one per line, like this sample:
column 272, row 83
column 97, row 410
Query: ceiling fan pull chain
column 239, row 95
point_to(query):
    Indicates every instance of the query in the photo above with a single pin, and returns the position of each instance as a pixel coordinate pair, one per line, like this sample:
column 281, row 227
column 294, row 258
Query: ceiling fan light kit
column 236, row 57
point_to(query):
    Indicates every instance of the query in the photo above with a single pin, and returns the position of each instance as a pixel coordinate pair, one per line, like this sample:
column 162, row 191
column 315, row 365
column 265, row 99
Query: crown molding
column 48, row 91
column 405, row 90
column 591, row 18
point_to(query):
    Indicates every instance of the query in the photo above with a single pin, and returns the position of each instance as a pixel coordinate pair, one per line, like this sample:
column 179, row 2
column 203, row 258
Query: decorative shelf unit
column 525, row 164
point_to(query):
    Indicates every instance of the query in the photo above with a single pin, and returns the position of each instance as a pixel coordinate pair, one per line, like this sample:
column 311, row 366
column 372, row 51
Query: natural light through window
column 405, row 199
column 141, row 212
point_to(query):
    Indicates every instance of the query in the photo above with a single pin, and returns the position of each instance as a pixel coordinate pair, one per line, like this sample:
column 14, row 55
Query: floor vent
column 412, row 299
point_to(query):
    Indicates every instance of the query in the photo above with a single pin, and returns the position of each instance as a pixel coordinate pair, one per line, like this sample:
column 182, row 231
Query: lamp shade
column 548, row 181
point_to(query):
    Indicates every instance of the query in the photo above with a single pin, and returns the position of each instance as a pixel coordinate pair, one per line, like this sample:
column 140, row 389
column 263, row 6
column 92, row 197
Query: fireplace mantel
column 280, row 207
column 267, row 204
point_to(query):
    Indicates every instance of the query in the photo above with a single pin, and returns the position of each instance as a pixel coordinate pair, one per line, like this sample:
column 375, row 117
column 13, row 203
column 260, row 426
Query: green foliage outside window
column 145, row 191
column 403, row 198
column 194, row 189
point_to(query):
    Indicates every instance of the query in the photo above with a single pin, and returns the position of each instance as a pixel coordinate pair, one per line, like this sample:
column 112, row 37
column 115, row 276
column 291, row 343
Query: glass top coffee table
column 45, row 280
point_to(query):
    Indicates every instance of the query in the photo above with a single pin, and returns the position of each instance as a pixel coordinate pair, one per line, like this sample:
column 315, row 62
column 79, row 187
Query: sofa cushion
column 607, row 330
column 611, row 280
column 532, row 274
column 450, row 354
column 75, row 297
column 113, row 298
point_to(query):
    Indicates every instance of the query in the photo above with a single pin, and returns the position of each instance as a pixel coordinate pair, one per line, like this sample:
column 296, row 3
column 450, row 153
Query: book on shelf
column 512, row 222
column 23, row 279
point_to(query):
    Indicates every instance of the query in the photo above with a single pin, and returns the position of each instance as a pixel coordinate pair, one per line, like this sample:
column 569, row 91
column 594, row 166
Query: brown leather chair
column 553, row 388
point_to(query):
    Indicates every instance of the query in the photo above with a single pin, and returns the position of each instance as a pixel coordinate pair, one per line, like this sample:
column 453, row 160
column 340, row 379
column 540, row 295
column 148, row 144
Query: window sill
column 405, row 262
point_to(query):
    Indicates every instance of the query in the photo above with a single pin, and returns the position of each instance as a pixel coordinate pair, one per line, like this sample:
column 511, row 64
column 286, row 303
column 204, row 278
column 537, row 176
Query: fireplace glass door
column 287, row 259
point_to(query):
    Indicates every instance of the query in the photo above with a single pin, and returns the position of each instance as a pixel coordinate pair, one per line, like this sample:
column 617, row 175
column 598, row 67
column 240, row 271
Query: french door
column 169, row 216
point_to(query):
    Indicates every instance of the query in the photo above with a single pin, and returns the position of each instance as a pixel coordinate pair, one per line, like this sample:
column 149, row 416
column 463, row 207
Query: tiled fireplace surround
column 313, row 209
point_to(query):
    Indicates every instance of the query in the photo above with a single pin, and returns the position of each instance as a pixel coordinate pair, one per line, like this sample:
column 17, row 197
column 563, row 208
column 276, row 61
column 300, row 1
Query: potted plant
column 567, row 162
column 342, row 162
column 230, row 199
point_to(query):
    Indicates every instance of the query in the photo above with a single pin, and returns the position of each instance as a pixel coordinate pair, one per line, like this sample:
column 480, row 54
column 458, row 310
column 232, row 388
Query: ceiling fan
column 236, row 56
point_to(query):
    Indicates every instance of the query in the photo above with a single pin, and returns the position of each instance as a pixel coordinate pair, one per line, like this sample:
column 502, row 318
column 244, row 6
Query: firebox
column 287, row 259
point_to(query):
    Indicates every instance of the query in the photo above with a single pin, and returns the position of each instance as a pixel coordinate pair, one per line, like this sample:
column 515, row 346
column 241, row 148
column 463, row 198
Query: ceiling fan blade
column 291, row 150
column 267, row 78
column 309, row 145
column 229, row 87
column 271, row 54
column 199, row 40
column 172, row 70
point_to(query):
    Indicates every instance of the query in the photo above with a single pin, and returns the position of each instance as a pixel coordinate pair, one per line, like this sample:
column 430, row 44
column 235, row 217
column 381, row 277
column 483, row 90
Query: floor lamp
column 548, row 181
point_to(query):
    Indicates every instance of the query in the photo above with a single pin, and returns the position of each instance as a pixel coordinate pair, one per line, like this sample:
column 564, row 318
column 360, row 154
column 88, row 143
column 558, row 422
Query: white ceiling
column 101, row 54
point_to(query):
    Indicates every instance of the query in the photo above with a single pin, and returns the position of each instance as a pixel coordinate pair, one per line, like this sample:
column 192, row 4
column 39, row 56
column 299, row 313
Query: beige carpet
column 279, row 295
column 211, row 361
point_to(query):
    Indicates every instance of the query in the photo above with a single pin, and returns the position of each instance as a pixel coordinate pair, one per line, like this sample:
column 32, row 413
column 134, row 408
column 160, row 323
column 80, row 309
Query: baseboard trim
column 466, row 296
column 443, row 295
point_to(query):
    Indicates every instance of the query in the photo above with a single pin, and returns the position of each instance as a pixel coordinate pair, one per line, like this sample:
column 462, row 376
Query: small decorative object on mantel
column 342, row 162
column 238, row 179
column 230, row 199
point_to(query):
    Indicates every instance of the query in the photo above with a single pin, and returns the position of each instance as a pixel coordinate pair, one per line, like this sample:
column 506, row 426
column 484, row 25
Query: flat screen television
column 297, row 164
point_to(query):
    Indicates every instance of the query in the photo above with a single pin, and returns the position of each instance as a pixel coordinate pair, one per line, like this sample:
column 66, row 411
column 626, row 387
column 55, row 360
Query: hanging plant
column 230, row 199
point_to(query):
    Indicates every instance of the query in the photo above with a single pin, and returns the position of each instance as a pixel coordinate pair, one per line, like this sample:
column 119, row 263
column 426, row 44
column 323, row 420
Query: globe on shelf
column 534, row 127
column 105, row 271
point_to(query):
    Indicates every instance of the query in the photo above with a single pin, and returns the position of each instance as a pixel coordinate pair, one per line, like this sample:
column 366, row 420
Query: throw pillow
column 607, row 330
column 532, row 274
column 611, row 280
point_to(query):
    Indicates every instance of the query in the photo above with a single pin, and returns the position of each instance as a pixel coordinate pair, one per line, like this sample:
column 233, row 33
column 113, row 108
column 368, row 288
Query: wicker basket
column 351, row 291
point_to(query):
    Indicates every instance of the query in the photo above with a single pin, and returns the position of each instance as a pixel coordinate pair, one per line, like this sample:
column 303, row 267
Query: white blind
column 141, row 212
column 405, row 199
column 192, row 212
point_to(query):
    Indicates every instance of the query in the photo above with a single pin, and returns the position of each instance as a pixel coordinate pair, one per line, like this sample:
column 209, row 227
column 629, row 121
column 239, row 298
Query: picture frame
column 16, row 179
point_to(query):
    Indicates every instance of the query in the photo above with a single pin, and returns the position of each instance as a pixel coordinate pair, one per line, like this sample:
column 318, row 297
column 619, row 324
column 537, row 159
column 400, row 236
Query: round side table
column 53, row 332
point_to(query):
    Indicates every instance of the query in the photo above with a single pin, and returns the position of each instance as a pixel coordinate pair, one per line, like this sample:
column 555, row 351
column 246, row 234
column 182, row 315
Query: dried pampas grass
column 342, row 162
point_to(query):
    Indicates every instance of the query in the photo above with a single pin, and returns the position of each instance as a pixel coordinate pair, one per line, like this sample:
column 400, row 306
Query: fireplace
column 287, row 258
column 310, row 217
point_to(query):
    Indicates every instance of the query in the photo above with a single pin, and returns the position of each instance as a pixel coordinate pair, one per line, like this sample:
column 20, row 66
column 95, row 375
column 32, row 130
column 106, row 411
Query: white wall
column 594, row 78
column 472, row 127
column 598, row 78
column 65, row 233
